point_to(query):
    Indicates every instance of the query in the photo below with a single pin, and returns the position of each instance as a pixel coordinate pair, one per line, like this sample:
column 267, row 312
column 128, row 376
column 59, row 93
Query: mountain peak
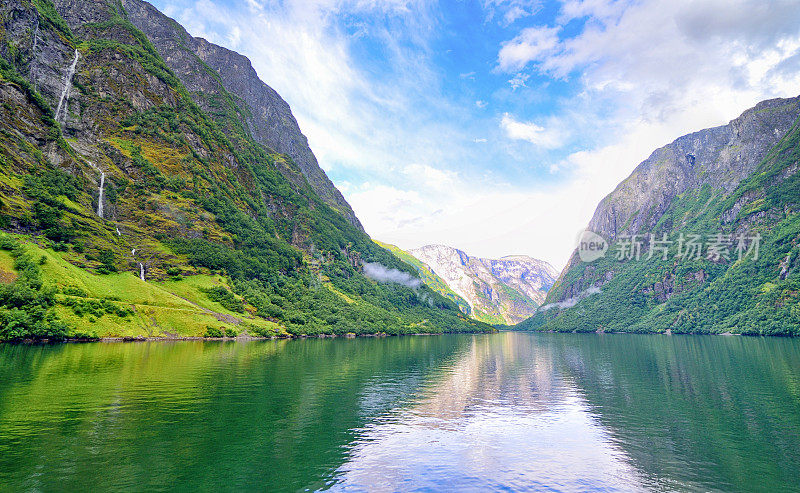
column 505, row 290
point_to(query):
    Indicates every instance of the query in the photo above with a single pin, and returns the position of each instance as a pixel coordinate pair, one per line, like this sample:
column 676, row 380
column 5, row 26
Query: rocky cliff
column 503, row 291
column 736, row 188
column 719, row 157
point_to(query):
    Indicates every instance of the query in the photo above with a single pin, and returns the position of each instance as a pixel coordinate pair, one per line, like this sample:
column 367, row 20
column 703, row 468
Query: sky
column 496, row 126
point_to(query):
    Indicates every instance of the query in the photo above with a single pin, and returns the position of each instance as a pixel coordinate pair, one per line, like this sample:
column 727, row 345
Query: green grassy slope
column 700, row 295
column 122, row 305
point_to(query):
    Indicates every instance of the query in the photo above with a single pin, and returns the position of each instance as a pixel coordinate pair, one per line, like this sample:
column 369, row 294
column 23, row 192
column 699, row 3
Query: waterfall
column 100, row 195
column 67, row 88
column 141, row 271
column 36, row 38
column 33, row 60
column 116, row 228
column 100, row 208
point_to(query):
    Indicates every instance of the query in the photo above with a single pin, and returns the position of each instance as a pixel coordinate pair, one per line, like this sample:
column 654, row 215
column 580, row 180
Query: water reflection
column 505, row 412
column 503, row 416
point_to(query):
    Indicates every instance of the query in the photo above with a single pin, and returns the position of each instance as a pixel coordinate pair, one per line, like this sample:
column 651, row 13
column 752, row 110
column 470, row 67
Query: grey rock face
column 720, row 157
column 504, row 290
column 40, row 54
column 205, row 68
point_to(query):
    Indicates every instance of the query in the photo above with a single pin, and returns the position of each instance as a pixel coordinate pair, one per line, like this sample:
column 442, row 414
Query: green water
column 505, row 412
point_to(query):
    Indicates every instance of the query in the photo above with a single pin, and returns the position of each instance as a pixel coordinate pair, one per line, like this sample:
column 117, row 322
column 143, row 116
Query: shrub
column 225, row 298
column 214, row 332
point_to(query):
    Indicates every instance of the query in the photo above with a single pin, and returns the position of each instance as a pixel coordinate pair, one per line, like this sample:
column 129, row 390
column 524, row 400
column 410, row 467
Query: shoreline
column 666, row 333
column 33, row 342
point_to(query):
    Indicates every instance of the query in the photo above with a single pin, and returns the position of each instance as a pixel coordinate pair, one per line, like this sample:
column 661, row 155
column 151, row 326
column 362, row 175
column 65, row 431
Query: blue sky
column 496, row 126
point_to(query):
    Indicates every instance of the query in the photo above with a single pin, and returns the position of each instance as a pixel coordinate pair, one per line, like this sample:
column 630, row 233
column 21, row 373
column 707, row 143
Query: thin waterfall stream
column 34, row 76
column 64, row 100
column 100, row 189
column 100, row 194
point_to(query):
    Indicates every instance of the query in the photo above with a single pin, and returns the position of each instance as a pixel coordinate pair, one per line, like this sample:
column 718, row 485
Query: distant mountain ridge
column 429, row 277
column 500, row 291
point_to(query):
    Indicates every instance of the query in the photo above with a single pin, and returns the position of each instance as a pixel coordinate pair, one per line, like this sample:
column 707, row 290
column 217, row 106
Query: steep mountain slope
column 107, row 164
column 217, row 77
column 429, row 277
column 735, row 186
column 498, row 291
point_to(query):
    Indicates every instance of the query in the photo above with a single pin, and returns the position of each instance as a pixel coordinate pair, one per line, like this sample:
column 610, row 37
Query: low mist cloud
column 569, row 303
column 380, row 273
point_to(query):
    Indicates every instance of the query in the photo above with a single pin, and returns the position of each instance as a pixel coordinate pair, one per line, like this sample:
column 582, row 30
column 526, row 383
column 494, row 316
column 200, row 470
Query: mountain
column 151, row 185
column 498, row 291
column 213, row 74
column 737, row 187
column 429, row 277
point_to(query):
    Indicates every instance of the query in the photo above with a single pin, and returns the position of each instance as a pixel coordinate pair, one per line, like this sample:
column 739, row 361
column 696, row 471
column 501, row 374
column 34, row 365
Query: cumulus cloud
column 381, row 273
column 519, row 80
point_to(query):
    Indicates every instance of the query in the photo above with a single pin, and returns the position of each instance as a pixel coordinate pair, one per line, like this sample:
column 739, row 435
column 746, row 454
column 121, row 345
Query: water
column 505, row 412
column 63, row 101
column 100, row 191
column 100, row 194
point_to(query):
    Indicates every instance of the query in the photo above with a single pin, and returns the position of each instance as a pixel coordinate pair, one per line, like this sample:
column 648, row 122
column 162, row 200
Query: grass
column 190, row 288
column 332, row 288
column 160, row 309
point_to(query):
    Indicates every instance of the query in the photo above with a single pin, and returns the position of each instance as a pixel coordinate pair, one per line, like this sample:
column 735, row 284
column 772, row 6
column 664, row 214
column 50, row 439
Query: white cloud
column 518, row 81
column 604, row 10
column 532, row 44
column 648, row 75
column 300, row 48
column 531, row 132
column 506, row 12
column 431, row 177
column 650, row 71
